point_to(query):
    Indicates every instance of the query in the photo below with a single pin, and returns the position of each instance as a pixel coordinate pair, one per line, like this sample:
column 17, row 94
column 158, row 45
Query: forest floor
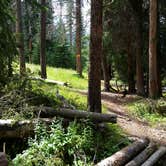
column 146, row 124
column 132, row 126
column 115, row 103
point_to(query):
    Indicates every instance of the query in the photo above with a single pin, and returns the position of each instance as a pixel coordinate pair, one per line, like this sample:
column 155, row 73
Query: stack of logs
column 140, row 153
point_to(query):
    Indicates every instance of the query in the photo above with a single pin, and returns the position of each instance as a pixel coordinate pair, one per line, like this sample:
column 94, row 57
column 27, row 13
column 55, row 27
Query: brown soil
column 115, row 103
column 133, row 127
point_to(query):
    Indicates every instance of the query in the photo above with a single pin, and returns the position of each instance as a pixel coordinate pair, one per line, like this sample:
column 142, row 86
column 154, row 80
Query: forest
column 82, row 82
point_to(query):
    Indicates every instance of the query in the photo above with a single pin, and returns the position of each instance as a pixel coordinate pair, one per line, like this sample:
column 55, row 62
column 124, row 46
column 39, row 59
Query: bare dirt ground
column 115, row 104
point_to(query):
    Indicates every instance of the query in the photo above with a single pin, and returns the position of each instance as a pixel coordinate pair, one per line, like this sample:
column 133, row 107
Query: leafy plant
column 79, row 144
column 58, row 146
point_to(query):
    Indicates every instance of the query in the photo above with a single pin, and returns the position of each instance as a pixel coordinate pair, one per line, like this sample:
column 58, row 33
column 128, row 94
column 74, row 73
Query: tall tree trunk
column 131, row 81
column 30, row 49
column 20, row 37
column 139, row 52
column 153, row 73
column 78, row 37
column 71, row 24
column 10, row 69
column 43, row 41
column 159, row 50
column 94, row 83
column 105, row 69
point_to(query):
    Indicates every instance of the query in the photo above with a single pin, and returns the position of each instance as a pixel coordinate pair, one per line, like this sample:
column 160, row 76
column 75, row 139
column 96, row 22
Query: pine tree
column 20, row 36
column 94, row 84
column 153, row 72
column 43, row 40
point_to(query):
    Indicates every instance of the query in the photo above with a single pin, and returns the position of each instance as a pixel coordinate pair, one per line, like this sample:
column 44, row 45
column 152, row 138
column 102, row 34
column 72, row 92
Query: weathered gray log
column 20, row 129
column 125, row 155
column 51, row 81
column 47, row 112
column 3, row 159
column 155, row 157
column 143, row 156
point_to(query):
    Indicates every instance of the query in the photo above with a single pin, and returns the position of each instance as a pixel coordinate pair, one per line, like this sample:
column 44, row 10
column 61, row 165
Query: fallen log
column 143, row 156
column 155, row 157
column 51, row 81
column 125, row 155
column 19, row 129
column 47, row 112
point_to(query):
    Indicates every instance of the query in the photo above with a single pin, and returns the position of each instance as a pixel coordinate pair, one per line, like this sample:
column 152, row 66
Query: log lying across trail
column 125, row 155
column 47, row 112
column 20, row 129
column 155, row 157
column 143, row 156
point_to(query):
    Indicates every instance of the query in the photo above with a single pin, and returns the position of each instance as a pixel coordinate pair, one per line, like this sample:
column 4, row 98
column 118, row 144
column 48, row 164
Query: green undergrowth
column 148, row 110
column 79, row 144
column 20, row 98
column 65, row 75
column 73, row 98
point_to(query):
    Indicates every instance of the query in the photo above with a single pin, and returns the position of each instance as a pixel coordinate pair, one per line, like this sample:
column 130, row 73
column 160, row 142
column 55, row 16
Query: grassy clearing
column 64, row 75
column 150, row 111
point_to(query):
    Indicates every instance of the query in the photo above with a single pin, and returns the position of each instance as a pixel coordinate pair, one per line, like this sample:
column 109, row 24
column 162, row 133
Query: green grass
column 148, row 110
column 64, row 75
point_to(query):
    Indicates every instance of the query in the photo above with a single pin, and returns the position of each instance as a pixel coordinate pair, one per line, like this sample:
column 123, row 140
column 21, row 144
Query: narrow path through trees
column 133, row 127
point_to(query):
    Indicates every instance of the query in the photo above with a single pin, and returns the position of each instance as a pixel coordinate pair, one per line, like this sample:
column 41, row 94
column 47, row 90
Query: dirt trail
column 115, row 104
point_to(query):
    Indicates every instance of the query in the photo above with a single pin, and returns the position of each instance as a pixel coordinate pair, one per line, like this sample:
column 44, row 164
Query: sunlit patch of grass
column 65, row 75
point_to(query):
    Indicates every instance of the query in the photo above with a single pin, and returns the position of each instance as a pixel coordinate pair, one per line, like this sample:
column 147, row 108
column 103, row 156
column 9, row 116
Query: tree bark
column 71, row 6
column 153, row 72
column 20, row 37
column 78, row 37
column 139, row 51
column 155, row 157
column 143, row 156
column 43, row 40
column 30, row 49
column 159, row 51
column 131, row 81
column 106, row 73
column 94, row 82
column 125, row 155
